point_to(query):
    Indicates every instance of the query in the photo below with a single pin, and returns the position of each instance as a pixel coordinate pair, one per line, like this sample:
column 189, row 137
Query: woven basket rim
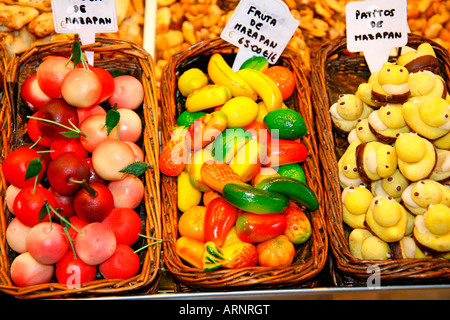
column 349, row 267
column 224, row 279
column 149, row 275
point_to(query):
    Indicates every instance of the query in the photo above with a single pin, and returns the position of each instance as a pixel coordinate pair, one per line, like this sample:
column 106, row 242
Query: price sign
column 375, row 27
column 85, row 17
column 260, row 28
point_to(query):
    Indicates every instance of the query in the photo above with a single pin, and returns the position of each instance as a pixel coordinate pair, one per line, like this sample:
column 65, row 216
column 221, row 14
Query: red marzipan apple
column 128, row 92
column 126, row 225
column 128, row 192
column 107, row 82
column 78, row 223
column 62, row 144
column 123, row 264
column 138, row 152
column 26, row 271
column 95, row 130
column 93, row 208
column 16, row 235
column 66, row 173
column 50, row 74
column 28, row 203
column 129, row 126
column 11, row 193
column 15, row 166
column 74, row 272
column 84, row 113
column 110, row 157
column 81, row 88
column 47, row 242
column 96, row 243
column 32, row 94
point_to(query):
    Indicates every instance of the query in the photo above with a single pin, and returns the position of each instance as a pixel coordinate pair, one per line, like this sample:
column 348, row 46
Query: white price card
column 85, row 17
column 375, row 27
column 260, row 28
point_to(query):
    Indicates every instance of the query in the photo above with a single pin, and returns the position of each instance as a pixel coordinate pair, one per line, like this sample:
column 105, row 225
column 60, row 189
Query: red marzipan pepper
column 280, row 152
column 254, row 227
column 220, row 217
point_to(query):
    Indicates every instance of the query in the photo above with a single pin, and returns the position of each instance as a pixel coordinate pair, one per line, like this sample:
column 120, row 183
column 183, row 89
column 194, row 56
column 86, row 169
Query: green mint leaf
column 112, row 119
column 76, row 53
column 136, row 168
column 33, row 169
column 70, row 134
column 42, row 213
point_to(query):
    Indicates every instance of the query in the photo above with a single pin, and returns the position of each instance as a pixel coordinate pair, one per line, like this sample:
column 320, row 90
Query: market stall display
column 309, row 257
column 348, row 165
column 123, row 59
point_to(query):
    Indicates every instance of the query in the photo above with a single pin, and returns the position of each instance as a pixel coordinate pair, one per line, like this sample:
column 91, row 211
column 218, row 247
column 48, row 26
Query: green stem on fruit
column 157, row 241
column 73, row 132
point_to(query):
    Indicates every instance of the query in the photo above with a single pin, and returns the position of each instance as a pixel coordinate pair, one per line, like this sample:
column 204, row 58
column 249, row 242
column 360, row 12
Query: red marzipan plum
column 95, row 244
column 63, row 203
column 138, row 153
column 128, row 92
column 93, row 209
column 81, row 88
column 77, row 223
column 123, row 264
column 35, row 134
column 16, row 235
column 66, row 172
column 59, row 111
column 47, row 242
column 50, row 75
column 74, row 272
column 107, row 82
column 11, row 193
column 95, row 130
column 126, row 225
column 32, row 94
column 26, row 271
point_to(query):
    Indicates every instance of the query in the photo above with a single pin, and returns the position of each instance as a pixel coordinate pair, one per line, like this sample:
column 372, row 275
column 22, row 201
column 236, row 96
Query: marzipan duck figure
column 422, row 58
column 407, row 248
column 432, row 229
column 441, row 171
column 425, row 83
column 364, row 91
column 443, row 142
column 391, row 85
column 355, row 202
column 428, row 116
column 418, row 196
column 346, row 112
column 375, row 160
column 365, row 245
column 362, row 132
column 387, row 219
column 392, row 186
column 347, row 169
column 416, row 156
column 387, row 122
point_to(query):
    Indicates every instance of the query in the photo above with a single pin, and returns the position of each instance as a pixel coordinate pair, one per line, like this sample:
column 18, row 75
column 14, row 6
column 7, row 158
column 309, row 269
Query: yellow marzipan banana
column 265, row 87
column 221, row 73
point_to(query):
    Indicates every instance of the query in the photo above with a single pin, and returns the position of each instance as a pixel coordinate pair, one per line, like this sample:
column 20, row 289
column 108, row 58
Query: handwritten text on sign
column 263, row 27
column 376, row 26
column 72, row 16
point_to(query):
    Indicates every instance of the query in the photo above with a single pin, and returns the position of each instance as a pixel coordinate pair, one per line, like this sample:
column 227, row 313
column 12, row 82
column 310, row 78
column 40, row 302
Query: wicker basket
column 111, row 54
column 310, row 257
column 334, row 73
